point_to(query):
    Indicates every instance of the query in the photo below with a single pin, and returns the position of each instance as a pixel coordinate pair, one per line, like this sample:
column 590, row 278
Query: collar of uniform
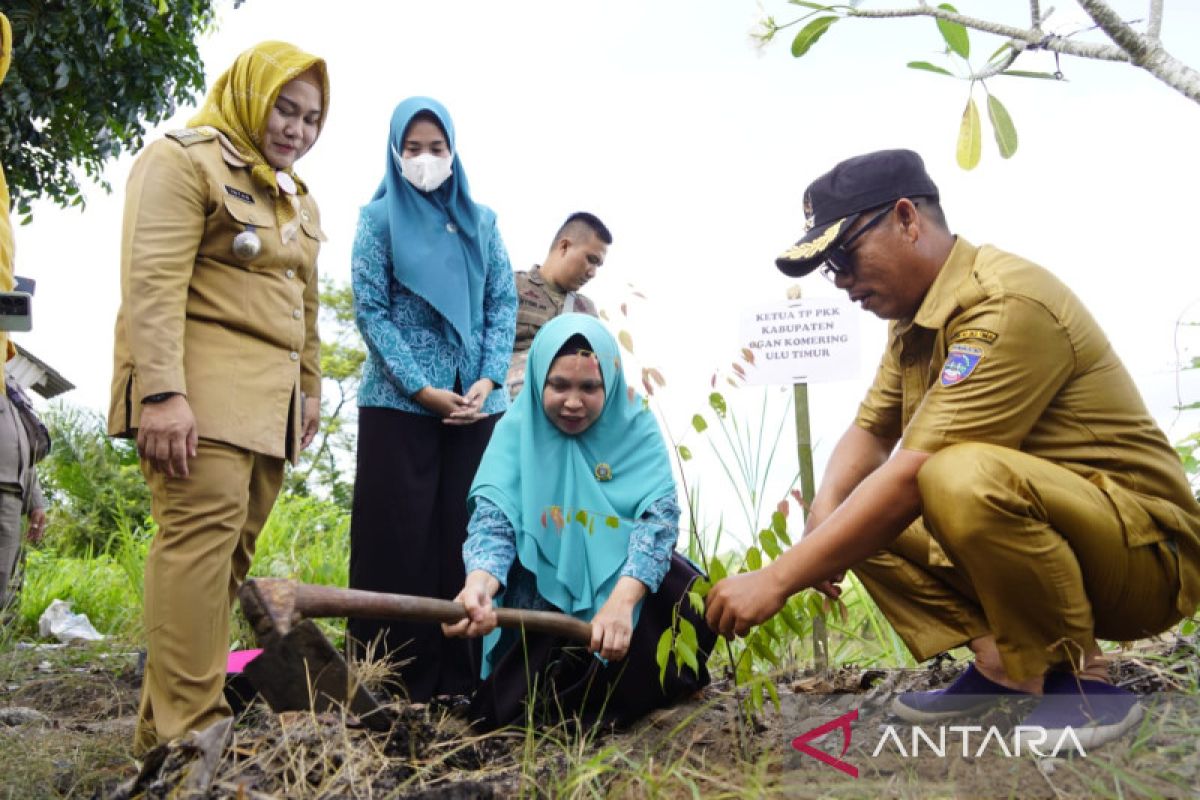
column 942, row 297
column 230, row 153
column 536, row 277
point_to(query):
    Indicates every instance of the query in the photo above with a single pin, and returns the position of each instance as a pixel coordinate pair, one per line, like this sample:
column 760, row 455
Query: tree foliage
column 87, row 76
column 93, row 483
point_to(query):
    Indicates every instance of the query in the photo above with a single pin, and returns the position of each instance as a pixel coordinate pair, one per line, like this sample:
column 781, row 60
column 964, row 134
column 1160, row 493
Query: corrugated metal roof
column 33, row 373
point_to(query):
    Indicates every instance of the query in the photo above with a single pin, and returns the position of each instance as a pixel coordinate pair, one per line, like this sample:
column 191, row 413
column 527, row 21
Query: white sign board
column 802, row 341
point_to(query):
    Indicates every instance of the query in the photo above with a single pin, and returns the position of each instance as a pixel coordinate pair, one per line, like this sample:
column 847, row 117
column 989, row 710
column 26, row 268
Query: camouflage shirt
column 538, row 303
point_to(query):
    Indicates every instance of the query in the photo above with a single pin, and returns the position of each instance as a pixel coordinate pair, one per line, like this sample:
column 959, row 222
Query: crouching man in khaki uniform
column 217, row 367
column 1032, row 504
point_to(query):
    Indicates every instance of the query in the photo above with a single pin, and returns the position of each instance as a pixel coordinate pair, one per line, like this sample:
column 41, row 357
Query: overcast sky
column 660, row 117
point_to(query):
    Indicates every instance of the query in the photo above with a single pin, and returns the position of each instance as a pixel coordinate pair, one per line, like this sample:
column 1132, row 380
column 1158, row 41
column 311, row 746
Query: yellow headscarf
column 6, row 45
column 240, row 101
column 6, row 238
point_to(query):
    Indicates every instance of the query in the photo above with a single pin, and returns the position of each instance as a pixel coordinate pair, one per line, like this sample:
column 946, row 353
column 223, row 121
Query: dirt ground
column 66, row 719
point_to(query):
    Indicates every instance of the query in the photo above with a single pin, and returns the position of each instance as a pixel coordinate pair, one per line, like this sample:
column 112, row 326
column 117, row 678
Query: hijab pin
column 603, row 472
column 247, row 245
column 285, row 182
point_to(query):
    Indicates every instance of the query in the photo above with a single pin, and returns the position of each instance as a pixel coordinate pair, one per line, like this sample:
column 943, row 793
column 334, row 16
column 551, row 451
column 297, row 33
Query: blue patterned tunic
column 410, row 345
column 492, row 546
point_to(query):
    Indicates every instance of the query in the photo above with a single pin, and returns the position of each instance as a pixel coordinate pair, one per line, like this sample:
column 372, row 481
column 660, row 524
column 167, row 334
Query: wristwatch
column 158, row 398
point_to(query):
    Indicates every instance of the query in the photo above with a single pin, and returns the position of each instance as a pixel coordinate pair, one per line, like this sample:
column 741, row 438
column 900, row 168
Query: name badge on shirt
column 239, row 194
column 961, row 361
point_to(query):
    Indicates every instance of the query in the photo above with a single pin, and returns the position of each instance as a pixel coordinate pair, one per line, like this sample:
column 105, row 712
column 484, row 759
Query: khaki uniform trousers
column 207, row 526
column 1020, row 548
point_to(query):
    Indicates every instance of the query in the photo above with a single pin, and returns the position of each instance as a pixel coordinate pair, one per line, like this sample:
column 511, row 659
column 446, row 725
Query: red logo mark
column 801, row 742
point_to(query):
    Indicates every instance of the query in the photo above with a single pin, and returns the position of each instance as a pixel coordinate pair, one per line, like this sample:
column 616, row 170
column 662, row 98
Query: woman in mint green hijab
column 574, row 509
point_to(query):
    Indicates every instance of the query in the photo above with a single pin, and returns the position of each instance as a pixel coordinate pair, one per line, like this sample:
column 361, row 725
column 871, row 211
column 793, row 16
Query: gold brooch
column 603, row 472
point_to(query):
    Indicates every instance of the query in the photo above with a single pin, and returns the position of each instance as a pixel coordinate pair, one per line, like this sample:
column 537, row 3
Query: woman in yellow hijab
column 216, row 358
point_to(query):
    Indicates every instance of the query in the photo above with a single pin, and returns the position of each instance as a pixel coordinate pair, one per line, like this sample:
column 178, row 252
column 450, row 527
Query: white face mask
column 426, row 171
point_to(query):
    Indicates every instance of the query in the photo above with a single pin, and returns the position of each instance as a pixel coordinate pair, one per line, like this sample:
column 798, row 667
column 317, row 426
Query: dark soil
column 66, row 720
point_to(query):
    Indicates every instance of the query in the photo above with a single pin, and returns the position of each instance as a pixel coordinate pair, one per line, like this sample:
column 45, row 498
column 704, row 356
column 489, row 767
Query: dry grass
column 78, row 746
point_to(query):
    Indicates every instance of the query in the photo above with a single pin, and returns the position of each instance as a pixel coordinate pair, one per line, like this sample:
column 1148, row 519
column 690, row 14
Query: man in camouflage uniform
column 551, row 289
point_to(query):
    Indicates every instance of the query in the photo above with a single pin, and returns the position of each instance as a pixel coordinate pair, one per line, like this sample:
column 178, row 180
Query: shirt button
column 451, row 227
column 291, row 273
column 294, row 356
column 295, row 313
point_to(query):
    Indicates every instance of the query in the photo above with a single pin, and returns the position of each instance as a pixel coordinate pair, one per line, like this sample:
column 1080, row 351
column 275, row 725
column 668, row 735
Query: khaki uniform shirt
column 1002, row 352
column 237, row 337
column 537, row 305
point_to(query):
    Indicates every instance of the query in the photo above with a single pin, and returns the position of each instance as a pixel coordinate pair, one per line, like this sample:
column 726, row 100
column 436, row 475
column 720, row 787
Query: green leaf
column 955, row 35
column 925, row 65
column 753, row 558
column 662, row 655
column 813, row 605
column 770, row 544
column 745, row 668
column 696, row 601
column 814, row 6
column 716, row 570
column 1021, row 73
column 684, row 452
column 759, row 645
column 809, row 35
column 717, row 401
column 685, row 646
column 774, row 694
column 1002, row 127
column 626, row 340
column 698, row 421
column 793, row 621
column 756, row 696
column 970, row 137
column 1188, row 627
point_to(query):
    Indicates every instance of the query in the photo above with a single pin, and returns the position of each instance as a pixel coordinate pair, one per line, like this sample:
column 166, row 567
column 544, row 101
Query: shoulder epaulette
column 190, row 136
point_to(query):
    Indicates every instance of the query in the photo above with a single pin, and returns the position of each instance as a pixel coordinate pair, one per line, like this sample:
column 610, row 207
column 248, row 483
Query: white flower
column 762, row 30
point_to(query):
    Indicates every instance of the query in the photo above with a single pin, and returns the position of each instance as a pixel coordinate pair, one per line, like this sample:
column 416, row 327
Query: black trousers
column 407, row 530
column 547, row 680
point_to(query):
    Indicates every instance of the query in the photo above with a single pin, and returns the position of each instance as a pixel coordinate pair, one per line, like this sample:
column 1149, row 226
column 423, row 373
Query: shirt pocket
column 237, row 217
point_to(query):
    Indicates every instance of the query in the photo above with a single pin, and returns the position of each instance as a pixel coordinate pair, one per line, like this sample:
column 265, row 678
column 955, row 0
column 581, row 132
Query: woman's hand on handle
column 612, row 627
column 476, row 596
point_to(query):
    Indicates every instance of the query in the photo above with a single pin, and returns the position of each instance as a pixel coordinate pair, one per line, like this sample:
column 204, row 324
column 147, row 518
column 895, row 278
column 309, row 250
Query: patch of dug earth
column 426, row 754
column 66, row 720
column 65, row 732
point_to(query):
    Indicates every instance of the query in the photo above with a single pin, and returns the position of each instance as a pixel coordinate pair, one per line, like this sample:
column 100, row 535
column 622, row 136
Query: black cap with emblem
column 836, row 199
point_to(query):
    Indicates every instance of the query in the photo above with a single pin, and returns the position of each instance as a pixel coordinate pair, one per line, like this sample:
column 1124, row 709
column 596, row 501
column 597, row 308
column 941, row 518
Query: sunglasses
column 840, row 260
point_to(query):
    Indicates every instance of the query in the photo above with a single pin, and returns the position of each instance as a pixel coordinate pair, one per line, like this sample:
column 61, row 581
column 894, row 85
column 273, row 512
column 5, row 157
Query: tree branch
column 1144, row 50
column 1033, row 39
column 1154, row 26
column 1035, row 15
